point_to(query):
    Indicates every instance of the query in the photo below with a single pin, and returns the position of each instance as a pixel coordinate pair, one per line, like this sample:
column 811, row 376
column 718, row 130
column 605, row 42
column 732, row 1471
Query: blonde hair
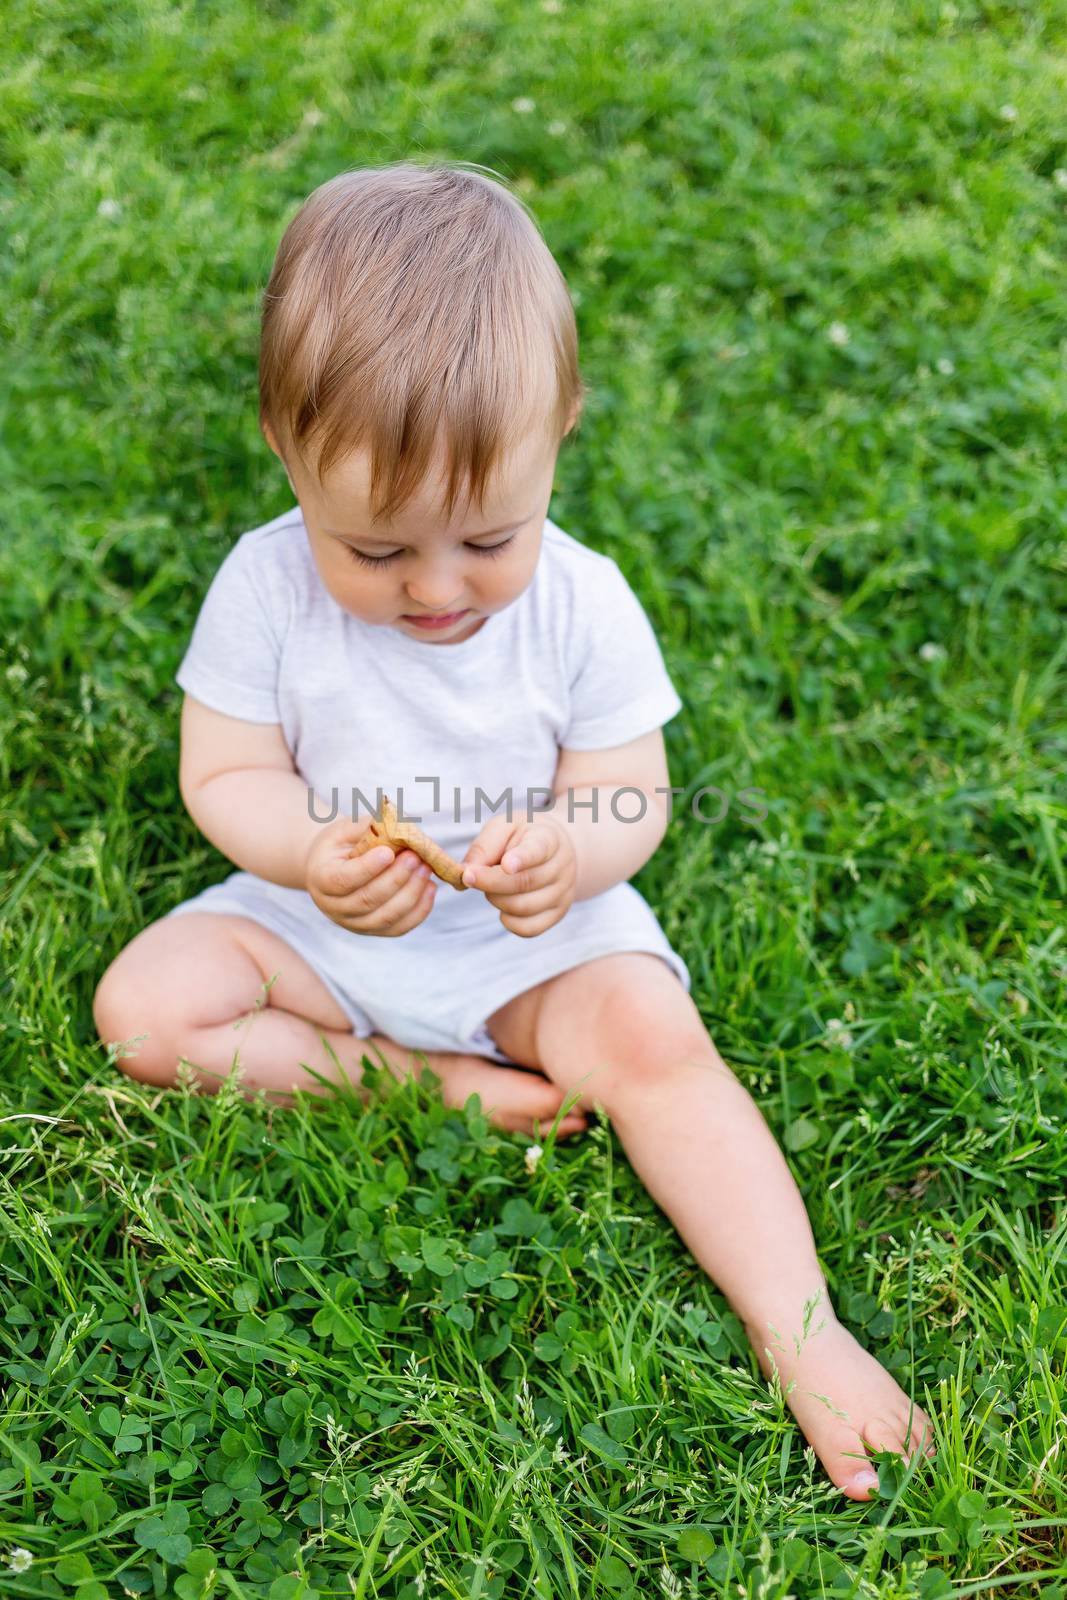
column 410, row 305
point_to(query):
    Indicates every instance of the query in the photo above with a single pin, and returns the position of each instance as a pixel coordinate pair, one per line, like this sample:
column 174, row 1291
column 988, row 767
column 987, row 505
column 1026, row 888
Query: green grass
column 367, row 1348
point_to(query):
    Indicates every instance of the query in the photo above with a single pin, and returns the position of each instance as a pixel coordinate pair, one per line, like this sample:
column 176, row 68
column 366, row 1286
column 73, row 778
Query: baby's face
column 418, row 565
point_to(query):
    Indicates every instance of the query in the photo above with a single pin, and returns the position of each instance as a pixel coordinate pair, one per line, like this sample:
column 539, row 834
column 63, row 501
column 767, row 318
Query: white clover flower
column 839, row 1034
column 532, row 1157
column 523, row 104
column 1008, row 113
column 838, row 334
column 109, row 208
column 20, row 1560
column 557, row 129
column 946, row 367
column 932, row 652
column 1059, row 177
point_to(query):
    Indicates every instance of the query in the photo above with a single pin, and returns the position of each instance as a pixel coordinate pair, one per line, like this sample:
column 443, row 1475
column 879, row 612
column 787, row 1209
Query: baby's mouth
column 429, row 619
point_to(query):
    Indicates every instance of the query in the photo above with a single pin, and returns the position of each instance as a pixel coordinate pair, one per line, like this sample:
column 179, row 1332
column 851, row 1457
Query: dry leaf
column 406, row 836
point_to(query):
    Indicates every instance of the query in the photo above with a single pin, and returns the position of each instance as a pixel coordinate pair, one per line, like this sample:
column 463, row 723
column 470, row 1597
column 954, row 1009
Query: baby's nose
column 437, row 599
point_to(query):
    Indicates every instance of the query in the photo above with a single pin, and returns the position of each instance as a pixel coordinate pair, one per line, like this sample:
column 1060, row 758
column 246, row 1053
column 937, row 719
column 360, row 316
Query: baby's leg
column 624, row 1030
column 206, row 984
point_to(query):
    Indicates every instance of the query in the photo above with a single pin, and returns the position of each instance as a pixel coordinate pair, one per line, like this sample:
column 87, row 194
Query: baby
column 417, row 627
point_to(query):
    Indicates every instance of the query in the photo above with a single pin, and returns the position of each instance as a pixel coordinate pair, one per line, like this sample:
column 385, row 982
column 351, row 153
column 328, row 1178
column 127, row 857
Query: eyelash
column 383, row 561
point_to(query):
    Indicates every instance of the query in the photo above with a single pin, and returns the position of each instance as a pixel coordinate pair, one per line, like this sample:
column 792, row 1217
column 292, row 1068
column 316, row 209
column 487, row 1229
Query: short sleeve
column 231, row 663
column 621, row 687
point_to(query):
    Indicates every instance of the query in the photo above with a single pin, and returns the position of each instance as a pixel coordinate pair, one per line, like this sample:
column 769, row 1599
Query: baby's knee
column 648, row 1020
column 135, row 1044
column 646, row 1051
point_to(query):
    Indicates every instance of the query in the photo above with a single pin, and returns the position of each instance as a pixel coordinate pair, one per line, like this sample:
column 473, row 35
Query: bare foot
column 843, row 1399
column 510, row 1099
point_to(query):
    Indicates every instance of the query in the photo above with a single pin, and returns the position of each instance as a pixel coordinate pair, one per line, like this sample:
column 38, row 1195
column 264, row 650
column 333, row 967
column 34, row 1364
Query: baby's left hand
column 527, row 870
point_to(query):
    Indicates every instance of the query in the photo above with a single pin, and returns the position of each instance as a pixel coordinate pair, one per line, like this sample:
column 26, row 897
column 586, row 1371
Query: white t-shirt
column 572, row 663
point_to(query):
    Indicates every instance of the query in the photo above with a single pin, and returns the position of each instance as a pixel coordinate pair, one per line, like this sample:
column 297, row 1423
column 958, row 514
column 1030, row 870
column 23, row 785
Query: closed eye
column 383, row 561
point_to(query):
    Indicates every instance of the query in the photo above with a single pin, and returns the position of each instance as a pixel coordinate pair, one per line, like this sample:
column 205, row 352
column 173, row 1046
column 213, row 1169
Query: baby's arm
column 610, row 850
column 243, row 792
column 240, row 787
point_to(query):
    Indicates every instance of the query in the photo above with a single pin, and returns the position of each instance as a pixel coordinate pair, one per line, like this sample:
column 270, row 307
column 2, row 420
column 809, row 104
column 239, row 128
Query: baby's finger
column 530, row 927
column 396, row 913
column 370, row 883
column 535, row 847
column 406, row 895
column 489, row 843
column 526, row 905
column 495, row 880
column 424, row 893
column 348, row 872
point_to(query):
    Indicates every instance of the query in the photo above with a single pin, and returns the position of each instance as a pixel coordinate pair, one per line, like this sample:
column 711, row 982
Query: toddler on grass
column 417, row 627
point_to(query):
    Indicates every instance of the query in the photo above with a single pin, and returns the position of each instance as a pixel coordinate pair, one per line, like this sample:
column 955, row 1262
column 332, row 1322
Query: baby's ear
column 268, row 434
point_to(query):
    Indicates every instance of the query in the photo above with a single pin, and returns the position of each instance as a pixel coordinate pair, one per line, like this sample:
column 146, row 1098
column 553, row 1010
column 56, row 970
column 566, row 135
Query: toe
column 848, row 1464
column 536, row 1100
column 862, row 1481
column 919, row 1432
column 545, row 1101
column 862, row 1485
column 885, row 1434
column 511, row 1099
column 858, row 1475
column 573, row 1122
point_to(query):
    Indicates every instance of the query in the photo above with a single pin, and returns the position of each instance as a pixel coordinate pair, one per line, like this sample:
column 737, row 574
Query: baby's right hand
column 375, row 893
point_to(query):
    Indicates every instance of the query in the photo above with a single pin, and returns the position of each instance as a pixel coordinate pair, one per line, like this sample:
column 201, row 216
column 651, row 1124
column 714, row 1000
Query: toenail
column 865, row 1480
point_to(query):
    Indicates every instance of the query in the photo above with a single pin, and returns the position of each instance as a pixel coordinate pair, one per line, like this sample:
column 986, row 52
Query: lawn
column 818, row 260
